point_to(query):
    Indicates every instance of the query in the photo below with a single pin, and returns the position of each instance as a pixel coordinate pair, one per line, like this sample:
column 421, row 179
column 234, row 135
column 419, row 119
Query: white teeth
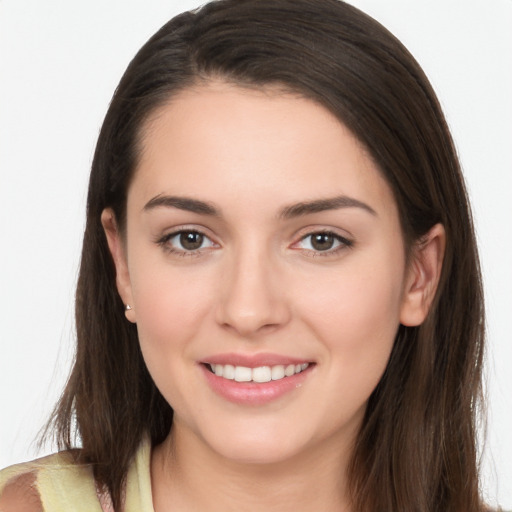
column 259, row 374
column 289, row 370
column 228, row 372
column 277, row 372
column 243, row 374
column 262, row 374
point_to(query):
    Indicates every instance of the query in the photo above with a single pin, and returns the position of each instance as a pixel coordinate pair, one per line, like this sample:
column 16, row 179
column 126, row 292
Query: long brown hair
column 416, row 450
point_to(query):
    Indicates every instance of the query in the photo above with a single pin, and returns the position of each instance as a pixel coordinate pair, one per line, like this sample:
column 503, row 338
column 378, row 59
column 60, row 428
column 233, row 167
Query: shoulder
column 18, row 485
column 53, row 483
column 19, row 494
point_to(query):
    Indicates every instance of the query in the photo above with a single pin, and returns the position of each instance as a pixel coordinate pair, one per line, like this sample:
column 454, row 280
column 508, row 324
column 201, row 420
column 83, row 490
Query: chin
column 256, row 453
column 263, row 444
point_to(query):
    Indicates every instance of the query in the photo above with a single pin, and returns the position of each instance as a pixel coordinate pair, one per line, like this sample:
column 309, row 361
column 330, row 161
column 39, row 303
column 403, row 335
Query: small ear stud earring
column 128, row 307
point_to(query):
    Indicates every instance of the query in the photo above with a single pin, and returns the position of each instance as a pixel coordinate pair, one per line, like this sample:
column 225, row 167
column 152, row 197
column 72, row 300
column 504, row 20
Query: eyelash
column 343, row 242
column 164, row 243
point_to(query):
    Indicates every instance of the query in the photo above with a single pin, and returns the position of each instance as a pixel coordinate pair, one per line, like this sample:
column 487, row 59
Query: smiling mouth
column 259, row 374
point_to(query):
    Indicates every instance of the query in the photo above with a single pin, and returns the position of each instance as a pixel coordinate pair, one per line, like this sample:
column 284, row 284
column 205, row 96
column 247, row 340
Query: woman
column 279, row 273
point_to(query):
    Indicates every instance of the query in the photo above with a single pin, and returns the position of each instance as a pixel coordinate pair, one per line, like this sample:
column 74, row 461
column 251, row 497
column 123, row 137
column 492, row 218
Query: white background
column 60, row 61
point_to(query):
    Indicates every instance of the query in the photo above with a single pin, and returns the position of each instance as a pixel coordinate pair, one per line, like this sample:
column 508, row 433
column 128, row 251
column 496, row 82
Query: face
column 265, row 268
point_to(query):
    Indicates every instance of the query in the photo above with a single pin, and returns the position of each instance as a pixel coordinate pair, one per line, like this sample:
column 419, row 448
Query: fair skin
column 290, row 253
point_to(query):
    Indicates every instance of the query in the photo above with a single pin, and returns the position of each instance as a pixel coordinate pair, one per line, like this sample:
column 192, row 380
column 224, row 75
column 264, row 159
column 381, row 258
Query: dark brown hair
column 416, row 450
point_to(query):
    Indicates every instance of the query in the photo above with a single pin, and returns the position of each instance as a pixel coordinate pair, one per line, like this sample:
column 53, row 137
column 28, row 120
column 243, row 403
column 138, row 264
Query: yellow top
column 63, row 486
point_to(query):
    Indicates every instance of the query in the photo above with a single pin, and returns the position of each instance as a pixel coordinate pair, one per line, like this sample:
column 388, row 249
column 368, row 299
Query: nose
column 253, row 296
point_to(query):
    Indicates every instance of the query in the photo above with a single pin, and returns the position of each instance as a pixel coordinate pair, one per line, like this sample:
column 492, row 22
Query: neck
column 188, row 476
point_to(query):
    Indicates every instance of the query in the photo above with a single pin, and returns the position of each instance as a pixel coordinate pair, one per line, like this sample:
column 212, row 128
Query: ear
column 117, row 250
column 423, row 276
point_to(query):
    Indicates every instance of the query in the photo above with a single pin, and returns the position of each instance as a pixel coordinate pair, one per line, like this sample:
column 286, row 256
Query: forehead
column 219, row 137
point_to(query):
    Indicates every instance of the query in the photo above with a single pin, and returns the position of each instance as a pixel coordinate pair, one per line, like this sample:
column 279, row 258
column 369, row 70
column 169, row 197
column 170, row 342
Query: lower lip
column 254, row 393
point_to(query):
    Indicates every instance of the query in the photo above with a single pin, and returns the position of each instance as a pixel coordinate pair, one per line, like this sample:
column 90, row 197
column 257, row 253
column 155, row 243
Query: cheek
column 170, row 308
column 355, row 312
column 364, row 297
column 169, row 303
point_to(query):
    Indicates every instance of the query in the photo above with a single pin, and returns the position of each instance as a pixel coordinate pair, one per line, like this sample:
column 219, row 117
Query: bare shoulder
column 20, row 484
column 20, row 494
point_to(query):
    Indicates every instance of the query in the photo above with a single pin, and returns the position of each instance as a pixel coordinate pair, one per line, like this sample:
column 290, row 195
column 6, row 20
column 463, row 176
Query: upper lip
column 254, row 360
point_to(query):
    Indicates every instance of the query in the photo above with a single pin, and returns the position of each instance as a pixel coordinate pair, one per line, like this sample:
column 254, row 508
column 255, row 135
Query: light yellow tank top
column 67, row 487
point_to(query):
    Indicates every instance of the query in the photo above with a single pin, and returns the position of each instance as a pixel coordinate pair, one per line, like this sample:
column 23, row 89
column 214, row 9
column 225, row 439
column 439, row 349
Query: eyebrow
column 182, row 203
column 288, row 212
column 321, row 205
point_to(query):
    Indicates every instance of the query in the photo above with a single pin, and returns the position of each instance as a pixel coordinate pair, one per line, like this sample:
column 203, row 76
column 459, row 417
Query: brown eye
column 326, row 242
column 186, row 242
column 191, row 240
column 322, row 241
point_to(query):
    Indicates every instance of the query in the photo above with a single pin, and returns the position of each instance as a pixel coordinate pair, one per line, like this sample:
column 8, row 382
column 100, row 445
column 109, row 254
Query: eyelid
column 345, row 241
column 163, row 240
